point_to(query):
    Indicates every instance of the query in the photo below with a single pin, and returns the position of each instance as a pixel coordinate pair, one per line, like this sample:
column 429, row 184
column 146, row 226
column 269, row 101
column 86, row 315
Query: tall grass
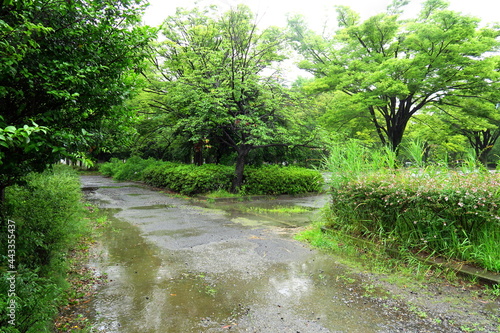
column 351, row 160
column 414, row 150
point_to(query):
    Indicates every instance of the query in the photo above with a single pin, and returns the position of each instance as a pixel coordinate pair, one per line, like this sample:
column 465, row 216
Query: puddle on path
column 284, row 213
column 159, row 206
column 153, row 290
column 186, row 269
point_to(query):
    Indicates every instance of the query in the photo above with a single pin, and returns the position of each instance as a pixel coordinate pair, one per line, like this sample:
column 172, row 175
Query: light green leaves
column 11, row 136
column 398, row 67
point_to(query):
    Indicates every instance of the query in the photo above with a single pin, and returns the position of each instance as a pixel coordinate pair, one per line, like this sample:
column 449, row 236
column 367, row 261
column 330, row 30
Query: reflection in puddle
column 294, row 286
column 260, row 213
column 176, row 233
column 152, row 207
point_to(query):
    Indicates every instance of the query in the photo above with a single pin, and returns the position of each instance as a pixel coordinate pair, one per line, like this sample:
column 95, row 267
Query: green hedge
column 274, row 179
column 191, row 179
column 48, row 216
column 132, row 169
column 449, row 214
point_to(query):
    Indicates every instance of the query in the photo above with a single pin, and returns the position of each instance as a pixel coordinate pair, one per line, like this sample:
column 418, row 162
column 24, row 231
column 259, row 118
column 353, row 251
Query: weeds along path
column 176, row 267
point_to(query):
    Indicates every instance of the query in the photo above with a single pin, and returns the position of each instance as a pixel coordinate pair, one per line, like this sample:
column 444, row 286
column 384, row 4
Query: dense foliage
column 426, row 208
column 48, row 216
column 216, row 96
column 66, row 68
column 275, row 179
column 453, row 215
column 217, row 85
column 190, row 179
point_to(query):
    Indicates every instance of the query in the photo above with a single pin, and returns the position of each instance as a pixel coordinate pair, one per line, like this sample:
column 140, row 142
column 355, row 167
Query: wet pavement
column 175, row 266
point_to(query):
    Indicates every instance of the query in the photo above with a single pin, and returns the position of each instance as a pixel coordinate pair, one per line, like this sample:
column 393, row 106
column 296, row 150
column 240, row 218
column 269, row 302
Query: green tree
column 440, row 142
column 219, row 82
column 343, row 115
column 65, row 67
column 476, row 117
column 397, row 67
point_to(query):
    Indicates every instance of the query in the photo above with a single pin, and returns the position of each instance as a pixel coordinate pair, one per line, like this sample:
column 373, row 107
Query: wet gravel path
column 176, row 267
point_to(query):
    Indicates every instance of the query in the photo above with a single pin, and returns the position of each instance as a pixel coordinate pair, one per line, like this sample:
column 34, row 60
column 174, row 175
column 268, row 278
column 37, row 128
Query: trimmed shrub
column 189, row 179
column 450, row 214
column 159, row 175
column 275, row 179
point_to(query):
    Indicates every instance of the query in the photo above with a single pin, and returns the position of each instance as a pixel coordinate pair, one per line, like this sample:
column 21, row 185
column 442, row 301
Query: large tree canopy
column 394, row 67
column 65, row 67
column 218, row 81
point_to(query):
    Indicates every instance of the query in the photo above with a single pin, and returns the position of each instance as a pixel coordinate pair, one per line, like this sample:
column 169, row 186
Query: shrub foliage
column 451, row 214
column 48, row 215
column 191, row 179
column 274, row 179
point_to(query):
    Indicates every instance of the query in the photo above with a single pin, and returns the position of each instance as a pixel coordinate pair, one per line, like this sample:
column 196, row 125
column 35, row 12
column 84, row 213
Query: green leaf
column 10, row 129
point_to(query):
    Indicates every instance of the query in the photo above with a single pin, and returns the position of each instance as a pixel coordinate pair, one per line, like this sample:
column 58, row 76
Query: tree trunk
column 243, row 151
column 397, row 114
column 3, row 214
column 395, row 136
column 2, row 193
column 374, row 120
column 482, row 142
column 483, row 156
column 198, row 153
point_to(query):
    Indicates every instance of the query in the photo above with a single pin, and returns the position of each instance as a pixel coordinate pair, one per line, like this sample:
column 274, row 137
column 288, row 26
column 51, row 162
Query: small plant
column 345, row 279
column 470, row 163
column 417, row 311
column 222, row 194
column 210, row 290
column 280, row 210
column 494, row 291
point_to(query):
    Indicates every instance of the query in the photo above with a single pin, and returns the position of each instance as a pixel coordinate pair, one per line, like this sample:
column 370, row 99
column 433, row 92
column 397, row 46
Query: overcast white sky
column 273, row 12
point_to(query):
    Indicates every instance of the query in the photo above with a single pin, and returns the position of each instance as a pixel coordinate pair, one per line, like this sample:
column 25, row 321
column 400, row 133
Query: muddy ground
column 175, row 266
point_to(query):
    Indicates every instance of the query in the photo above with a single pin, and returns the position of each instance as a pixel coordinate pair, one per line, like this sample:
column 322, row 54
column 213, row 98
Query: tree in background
column 66, row 68
column 396, row 68
column 476, row 117
column 343, row 116
column 219, row 83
